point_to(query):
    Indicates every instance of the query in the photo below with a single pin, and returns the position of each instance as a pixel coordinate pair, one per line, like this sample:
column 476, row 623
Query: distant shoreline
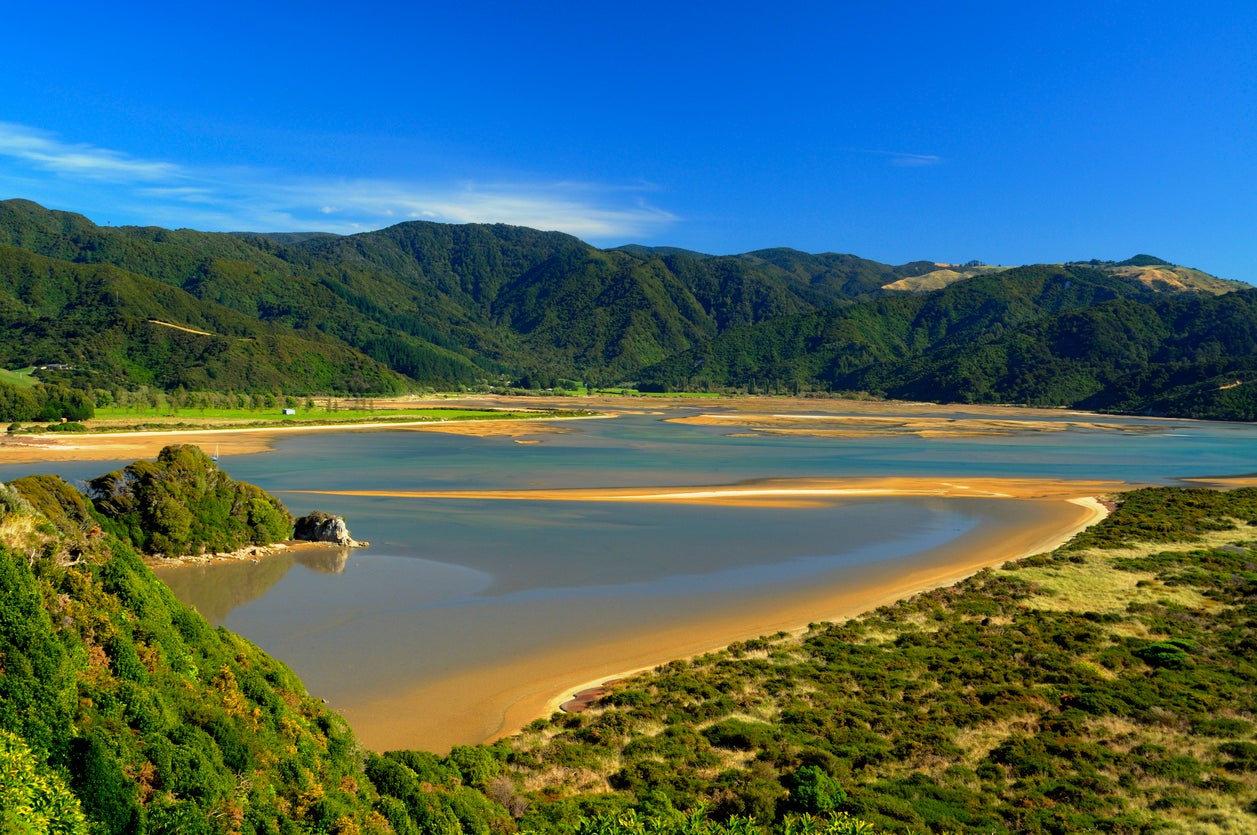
column 761, row 415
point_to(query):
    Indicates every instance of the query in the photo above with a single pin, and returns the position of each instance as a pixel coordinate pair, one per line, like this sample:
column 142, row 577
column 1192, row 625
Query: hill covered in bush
column 436, row 305
column 130, row 714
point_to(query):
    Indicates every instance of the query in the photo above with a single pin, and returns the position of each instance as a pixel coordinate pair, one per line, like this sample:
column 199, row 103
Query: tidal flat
column 503, row 576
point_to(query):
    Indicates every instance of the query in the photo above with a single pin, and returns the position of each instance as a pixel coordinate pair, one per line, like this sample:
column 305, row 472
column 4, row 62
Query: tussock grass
column 20, row 532
column 1099, row 587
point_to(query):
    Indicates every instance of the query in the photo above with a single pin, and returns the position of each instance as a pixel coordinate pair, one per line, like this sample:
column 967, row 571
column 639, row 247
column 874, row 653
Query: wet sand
column 112, row 446
column 921, row 425
column 491, row 703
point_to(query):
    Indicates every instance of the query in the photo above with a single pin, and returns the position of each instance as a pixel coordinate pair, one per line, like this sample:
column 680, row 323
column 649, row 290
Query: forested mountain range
column 427, row 304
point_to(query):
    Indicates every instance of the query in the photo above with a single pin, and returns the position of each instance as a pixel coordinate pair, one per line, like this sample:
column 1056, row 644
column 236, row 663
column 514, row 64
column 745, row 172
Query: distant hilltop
column 1150, row 271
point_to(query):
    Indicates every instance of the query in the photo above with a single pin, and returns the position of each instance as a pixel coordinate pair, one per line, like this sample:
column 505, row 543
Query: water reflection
column 329, row 559
column 216, row 589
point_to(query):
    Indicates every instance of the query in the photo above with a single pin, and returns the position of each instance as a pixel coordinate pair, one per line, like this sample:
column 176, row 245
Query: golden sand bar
column 487, row 704
column 777, row 492
column 110, row 446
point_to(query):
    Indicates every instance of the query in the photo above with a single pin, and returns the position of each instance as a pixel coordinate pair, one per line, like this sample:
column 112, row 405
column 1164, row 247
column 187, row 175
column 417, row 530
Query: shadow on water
column 216, row 589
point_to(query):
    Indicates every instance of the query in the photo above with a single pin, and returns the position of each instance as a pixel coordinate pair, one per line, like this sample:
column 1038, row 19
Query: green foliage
column 70, row 426
column 44, row 403
column 183, row 504
column 476, row 765
column 1049, row 336
column 34, row 800
column 57, row 502
column 1170, row 515
column 1173, row 654
column 99, row 782
column 815, row 792
column 11, row 501
column 158, row 722
column 37, row 687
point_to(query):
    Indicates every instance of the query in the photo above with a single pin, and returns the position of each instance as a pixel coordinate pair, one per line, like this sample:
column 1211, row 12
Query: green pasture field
column 19, row 377
column 115, row 418
column 303, row 415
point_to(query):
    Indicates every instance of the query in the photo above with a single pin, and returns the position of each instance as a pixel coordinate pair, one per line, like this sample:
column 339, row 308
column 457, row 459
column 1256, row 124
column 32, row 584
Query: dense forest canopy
column 444, row 306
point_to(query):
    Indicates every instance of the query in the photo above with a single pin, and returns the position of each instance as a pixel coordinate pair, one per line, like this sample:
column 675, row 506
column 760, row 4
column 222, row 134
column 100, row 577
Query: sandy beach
column 492, row 703
column 111, row 446
column 778, row 492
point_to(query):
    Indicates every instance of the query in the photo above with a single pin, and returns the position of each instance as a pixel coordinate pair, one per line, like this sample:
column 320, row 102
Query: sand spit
column 777, row 492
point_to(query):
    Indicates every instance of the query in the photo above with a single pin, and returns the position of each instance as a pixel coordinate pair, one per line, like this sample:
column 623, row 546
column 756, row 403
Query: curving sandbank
column 486, row 704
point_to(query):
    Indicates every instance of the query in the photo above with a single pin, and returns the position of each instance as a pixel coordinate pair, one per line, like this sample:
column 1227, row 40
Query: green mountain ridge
column 444, row 306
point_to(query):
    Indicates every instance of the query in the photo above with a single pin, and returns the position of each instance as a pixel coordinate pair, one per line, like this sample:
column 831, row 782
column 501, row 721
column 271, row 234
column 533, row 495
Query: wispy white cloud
column 914, row 160
column 46, row 152
column 581, row 209
column 901, row 158
column 242, row 198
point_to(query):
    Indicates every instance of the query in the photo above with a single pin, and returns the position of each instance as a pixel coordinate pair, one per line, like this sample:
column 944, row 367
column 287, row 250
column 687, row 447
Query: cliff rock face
column 324, row 527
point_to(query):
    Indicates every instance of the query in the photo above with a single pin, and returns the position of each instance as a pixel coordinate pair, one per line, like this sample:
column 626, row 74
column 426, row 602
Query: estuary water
column 452, row 587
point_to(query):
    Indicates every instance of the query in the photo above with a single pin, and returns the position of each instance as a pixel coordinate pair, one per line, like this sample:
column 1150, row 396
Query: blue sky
column 1007, row 132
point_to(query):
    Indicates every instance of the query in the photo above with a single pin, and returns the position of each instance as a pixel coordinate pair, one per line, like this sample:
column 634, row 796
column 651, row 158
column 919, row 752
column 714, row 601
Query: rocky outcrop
column 324, row 527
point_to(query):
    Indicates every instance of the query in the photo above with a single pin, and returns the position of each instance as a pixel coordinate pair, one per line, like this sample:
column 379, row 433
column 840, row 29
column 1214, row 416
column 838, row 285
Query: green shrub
column 740, row 735
column 428, row 767
column 1171, row 654
column 815, row 792
column 1243, row 755
column 69, row 426
column 476, row 765
column 34, row 800
column 107, row 794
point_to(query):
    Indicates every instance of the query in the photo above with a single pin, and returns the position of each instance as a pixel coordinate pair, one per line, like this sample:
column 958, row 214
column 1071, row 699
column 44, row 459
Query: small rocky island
column 324, row 527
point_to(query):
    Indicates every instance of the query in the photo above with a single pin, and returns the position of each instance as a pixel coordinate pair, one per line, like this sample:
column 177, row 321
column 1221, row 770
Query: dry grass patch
column 566, row 779
column 1117, row 733
column 980, row 740
column 18, row 532
column 1225, row 816
column 1098, row 587
column 1130, row 629
column 1099, row 670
